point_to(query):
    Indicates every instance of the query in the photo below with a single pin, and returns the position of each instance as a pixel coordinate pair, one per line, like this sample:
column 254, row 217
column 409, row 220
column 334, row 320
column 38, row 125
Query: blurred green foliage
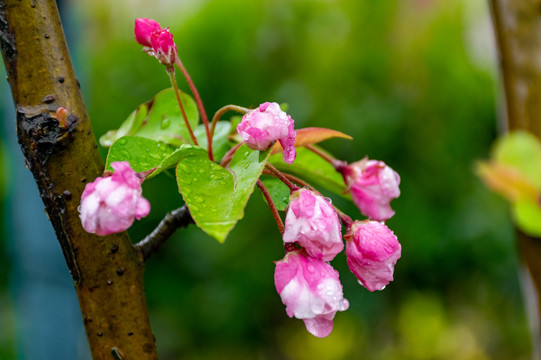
column 414, row 84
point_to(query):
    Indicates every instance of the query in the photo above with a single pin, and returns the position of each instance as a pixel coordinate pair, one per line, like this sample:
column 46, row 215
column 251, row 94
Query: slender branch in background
column 516, row 25
column 273, row 209
column 337, row 164
column 199, row 104
column 173, row 79
column 281, row 176
column 166, row 228
column 222, row 111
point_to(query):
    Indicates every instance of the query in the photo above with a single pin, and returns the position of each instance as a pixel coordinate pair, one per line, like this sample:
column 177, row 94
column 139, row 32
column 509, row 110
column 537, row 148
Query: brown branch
column 107, row 272
column 166, row 228
column 516, row 25
column 273, row 209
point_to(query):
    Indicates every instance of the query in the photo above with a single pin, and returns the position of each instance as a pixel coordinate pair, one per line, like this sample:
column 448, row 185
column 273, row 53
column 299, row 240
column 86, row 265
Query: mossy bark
column 517, row 25
column 107, row 271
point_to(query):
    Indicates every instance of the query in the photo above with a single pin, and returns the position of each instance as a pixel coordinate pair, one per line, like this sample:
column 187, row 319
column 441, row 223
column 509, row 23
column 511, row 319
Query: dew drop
column 165, row 123
column 122, row 141
column 154, row 155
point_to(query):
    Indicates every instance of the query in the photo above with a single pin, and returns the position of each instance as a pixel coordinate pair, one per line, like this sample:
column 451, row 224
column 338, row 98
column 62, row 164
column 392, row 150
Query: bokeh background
column 415, row 82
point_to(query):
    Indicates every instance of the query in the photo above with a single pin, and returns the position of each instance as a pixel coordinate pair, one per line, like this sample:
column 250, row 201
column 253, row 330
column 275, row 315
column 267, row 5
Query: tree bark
column 107, row 271
column 517, row 25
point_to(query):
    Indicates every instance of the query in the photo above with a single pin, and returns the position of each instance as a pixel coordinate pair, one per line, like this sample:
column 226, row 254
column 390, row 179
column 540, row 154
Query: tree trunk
column 107, row 271
column 517, row 26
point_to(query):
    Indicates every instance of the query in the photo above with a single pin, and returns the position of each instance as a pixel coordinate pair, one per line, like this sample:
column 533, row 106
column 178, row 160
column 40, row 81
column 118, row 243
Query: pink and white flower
column 311, row 222
column 110, row 204
column 310, row 290
column 372, row 251
column 261, row 127
column 372, row 185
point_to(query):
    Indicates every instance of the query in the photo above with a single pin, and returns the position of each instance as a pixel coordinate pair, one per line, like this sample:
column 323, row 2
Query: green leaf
column 522, row 151
column 312, row 168
column 527, row 216
column 142, row 154
column 220, row 140
column 216, row 196
column 159, row 119
column 278, row 192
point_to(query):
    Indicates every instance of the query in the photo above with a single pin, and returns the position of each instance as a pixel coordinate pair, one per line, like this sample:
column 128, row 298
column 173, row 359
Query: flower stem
column 281, row 176
column 273, row 209
column 337, row 164
column 229, row 155
column 344, row 219
column 199, row 104
column 171, row 73
column 293, row 178
column 222, row 111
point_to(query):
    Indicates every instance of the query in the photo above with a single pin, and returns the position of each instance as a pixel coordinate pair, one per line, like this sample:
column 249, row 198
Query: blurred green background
column 415, row 82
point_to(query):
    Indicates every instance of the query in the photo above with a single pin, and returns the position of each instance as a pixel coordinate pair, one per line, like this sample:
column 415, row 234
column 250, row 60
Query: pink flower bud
column 144, row 28
column 164, row 47
column 261, row 127
column 311, row 221
column 372, row 251
column 110, row 204
column 372, row 185
column 310, row 290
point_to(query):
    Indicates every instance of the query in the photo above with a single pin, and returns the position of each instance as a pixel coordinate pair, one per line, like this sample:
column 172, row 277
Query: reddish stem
column 171, row 72
column 344, row 219
column 199, row 104
column 273, row 208
column 222, row 111
column 281, row 176
column 229, row 155
column 337, row 164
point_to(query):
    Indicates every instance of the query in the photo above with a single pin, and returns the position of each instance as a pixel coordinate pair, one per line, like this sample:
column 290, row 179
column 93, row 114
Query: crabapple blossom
column 372, row 251
column 144, row 28
column 164, row 47
column 110, row 204
column 310, row 290
column 311, row 221
column 372, row 185
column 261, row 127
column 157, row 41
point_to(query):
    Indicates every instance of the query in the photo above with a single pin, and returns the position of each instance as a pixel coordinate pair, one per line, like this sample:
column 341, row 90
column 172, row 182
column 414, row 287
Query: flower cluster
column 307, row 284
column 110, row 204
column 156, row 41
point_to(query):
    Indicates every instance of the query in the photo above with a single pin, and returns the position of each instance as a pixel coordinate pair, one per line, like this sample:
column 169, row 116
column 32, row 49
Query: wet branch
column 172, row 221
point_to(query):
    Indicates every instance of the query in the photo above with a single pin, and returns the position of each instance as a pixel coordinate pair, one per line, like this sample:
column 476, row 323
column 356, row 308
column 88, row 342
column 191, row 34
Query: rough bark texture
column 517, row 26
column 107, row 271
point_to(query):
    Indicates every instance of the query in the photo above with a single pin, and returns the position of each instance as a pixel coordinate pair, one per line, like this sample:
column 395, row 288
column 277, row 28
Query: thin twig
column 171, row 222
column 199, row 104
column 171, row 73
column 229, row 155
column 337, row 164
column 222, row 111
column 273, row 208
column 281, row 176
